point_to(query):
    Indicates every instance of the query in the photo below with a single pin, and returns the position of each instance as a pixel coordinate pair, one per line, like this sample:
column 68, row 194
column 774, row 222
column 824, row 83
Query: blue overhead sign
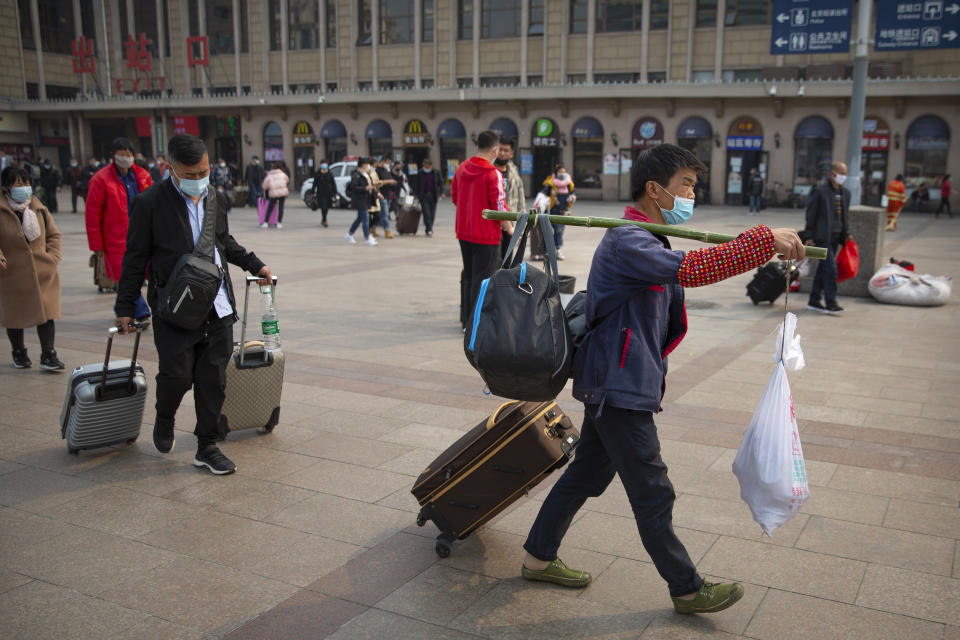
column 933, row 24
column 811, row 26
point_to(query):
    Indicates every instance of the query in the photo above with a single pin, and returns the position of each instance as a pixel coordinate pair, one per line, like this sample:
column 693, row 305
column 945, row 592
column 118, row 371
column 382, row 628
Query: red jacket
column 106, row 214
column 477, row 185
column 945, row 190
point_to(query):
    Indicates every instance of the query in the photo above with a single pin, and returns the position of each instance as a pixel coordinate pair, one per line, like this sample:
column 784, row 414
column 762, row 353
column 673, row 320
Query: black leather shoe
column 21, row 360
column 213, row 459
column 163, row 438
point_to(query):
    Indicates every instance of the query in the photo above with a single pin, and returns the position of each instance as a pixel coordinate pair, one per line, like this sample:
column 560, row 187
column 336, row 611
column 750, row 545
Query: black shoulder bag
column 186, row 298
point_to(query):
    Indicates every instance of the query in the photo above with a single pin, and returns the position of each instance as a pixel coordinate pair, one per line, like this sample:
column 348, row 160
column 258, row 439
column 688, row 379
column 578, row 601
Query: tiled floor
column 314, row 536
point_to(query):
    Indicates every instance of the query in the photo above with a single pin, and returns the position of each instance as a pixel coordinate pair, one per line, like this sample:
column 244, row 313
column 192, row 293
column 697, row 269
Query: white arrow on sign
column 950, row 35
column 781, row 42
column 953, row 8
column 784, row 17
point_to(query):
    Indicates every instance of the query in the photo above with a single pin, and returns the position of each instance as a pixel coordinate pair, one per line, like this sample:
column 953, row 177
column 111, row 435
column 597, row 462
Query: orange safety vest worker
column 896, row 197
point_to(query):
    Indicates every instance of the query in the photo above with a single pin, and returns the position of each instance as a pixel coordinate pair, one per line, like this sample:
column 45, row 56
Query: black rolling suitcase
column 408, row 219
column 770, row 281
column 495, row 463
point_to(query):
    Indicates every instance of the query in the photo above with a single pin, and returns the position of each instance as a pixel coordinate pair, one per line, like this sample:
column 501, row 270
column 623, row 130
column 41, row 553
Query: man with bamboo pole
column 635, row 317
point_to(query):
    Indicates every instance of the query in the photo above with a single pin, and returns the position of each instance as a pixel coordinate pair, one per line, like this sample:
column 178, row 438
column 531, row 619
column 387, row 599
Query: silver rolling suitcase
column 254, row 381
column 104, row 403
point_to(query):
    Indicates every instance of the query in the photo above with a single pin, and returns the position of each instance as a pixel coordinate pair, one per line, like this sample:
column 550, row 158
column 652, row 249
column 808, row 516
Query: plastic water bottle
column 268, row 322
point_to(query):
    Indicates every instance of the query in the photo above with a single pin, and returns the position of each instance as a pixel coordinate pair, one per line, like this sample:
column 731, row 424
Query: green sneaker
column 710, row 598
column 558, row 573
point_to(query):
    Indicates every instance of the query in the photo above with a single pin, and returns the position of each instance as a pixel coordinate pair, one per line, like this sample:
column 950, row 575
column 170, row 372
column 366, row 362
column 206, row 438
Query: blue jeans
column 384, row 215
column 754, row 203
column 825, row 281
column 558, row 210
column 363, row 218
column 622, row 442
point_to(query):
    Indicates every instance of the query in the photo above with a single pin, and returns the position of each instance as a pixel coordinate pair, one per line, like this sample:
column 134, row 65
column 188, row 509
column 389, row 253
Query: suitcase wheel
column 421, row 520
column 269, row 428
column 72, row 451
column 443, row 548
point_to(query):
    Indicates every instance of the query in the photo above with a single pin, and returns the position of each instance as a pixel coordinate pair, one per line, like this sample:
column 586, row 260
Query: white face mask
column 840, row 178
column 124, row 162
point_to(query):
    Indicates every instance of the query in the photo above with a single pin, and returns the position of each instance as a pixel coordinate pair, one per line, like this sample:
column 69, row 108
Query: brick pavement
column 314, row 536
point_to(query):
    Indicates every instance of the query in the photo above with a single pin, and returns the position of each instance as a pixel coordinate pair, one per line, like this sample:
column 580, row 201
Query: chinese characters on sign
column 933, row 24
column 811, row 26
column 745, row 142
column 82, row 50
column 415, row 134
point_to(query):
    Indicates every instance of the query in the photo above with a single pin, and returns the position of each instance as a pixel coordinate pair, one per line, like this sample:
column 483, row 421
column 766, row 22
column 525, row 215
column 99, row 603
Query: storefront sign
column 138, row 53
column 545, row 133
column 303, row 134
column 228, row 126
column 83, row 61
column 186, row 124
column 526, row 163
column 811, row 26
column 749, row 143
column 415, row 134
column 933, row 24
column 647, row 132
column 874, row 137
column 144, row 126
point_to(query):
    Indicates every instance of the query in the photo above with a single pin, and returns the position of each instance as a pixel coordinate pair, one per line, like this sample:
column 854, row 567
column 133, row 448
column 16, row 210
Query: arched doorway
column 647, row 133
column 303, row 152
column 505, row 128
column 928, row 141
column 416, row 145
column 874, row 149
column 744, row 152
column 379, row 136
column 334, row 136
column 453, row 146
column 587, row 134
column 813, row 153
column 272, row 144
column 696, row 135
column 546, row 150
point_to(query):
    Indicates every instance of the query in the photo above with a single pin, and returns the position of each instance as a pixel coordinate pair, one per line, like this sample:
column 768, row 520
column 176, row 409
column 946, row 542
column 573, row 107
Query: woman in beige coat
column 29, row 279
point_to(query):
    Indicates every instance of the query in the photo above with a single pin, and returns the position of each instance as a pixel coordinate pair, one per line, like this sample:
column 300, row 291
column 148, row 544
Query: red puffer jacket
column 106, row 214
column 477, row 185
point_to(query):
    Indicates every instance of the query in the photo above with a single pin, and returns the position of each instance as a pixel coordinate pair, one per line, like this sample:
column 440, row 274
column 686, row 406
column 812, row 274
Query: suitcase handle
column 492, row 420
column 246, row 306
column 112, row 331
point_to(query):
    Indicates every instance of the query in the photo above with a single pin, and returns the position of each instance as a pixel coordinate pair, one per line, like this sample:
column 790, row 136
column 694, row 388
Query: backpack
column 517, row 337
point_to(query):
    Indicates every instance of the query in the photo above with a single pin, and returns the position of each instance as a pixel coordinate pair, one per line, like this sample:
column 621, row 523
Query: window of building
column 928, row 144
column 499, row 81
column 742, row 75
column 500, row 19
column 703, row 77
column 330, row 7
column 365, row 28
column 60, row 92
column 578, row 16
column 273, row 16
column 224, row 91
column 659, row 14
column 464, row 83
column 396, row 21
column 193, row 18
column 706, row 13
column 426, row 27
column 576, row 78
column 397, row 84
column 747, row 12
column 365, row 85
column 587, row 134
column 219, row 24
column 56, row 24
column 426, row 83
column 145, row 21
column 276, row 89
column 331, row 86
column 619, row 15
column 303, row 25
column 536, row 17
column 657, row 76
column 534, row 80
column 616, row 78
column 465, row 20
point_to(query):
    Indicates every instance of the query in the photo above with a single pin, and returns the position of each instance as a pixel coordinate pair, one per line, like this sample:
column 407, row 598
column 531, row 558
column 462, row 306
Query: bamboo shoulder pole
column 817, row 253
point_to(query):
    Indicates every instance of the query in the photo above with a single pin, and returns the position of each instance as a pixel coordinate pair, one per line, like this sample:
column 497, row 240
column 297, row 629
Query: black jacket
column 360, row 198
column 325, row 187
column 159, row 234
column 756, row 185
column 821, row 212
column 417, row 183
column 253, row 177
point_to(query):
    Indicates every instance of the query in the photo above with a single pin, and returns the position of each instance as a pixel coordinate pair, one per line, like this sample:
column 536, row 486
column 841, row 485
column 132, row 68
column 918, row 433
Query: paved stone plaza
column 314, row 536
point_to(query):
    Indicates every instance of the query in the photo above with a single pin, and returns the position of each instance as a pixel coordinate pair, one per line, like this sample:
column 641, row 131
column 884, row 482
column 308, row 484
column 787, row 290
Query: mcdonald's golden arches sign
column 302, row 134
column 415, row 134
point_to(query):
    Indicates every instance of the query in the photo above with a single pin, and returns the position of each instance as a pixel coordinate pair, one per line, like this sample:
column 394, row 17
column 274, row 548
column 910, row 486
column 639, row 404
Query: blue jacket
column 635, row 317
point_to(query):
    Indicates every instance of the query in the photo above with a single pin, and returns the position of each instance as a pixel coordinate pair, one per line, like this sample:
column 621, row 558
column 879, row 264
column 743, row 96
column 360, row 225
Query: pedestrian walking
column 896, row 198
column 222, row 177
column 944, row 197
column 387, row 187
column 155, row 170
column 478, row 185
column 72, row 177
column 325, row 188
column 253, row 177
column 362, row 193
column 920, row 197
column 827, row 225
column 559, row 186
column 166, row 225
column 51, row 181
column 755, row 185
column 402, row 188
column 30, row 251
column 109, row 198
column 275, row 188
column 428, row 188
column 86, row 174
column 635, row 315
column 512, row 186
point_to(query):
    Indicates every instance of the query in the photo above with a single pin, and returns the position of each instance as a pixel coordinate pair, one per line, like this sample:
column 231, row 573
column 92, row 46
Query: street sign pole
column 858, row 101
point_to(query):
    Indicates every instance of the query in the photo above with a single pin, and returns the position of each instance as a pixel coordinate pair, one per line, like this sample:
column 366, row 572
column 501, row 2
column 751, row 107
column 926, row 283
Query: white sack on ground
column 893, row 284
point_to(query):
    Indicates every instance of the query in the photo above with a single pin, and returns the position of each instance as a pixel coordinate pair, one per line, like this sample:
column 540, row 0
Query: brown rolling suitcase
column 408, row 219
column 104, row 284
column 495, row 463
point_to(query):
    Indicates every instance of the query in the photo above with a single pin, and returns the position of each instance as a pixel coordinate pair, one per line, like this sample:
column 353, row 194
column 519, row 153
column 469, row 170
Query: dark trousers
column 623, row 442
column 323, row 212
column 45, row 332
column 944, row 202
column 73, row 199
column 825, row 281
column 274, row 202
column 479, row 263
column 428, row 206
column 197, row 359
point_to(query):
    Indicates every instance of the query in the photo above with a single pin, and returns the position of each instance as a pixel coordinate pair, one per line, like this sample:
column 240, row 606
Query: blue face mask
column 681, row 212
column 323, row 166
column 193, row 188
column 21, row 194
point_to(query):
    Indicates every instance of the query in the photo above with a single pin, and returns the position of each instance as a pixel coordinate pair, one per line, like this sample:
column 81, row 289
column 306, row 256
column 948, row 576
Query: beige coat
column 30, row 285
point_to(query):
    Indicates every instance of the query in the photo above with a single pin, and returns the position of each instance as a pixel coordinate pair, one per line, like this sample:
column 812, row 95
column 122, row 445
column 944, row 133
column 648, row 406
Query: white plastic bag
column 895, row 285
column 769, row 463
column 541, row 203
